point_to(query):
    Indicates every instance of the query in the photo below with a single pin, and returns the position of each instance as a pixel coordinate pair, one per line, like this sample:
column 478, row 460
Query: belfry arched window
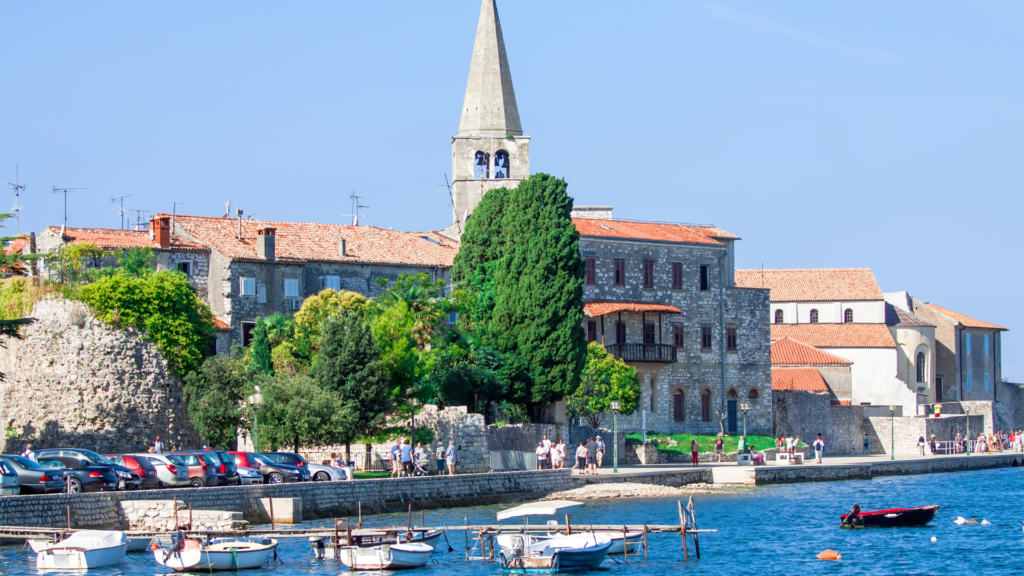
column 921, row 376
column 779, row 316
column 482, row 166
column 848, row 315
column 814, row 316
column 501, row 164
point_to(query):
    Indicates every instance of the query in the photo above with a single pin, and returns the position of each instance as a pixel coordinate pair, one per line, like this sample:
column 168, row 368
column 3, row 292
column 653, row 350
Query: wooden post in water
column 423, row 517
column 175, row 513
column 359, row 524
column 271, row 500
column 348, row 538
column 465, row 533
column 568, row 527
column 645, row 542
column 408, row 528
column 682, row 530
column 190, row 516
column 625, row 545
column 693, row 519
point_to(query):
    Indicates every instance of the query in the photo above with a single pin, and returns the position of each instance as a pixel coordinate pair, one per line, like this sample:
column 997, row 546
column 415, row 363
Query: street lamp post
column 744, row 407
column 616, row 406
column 255, row 400
column 892, row 432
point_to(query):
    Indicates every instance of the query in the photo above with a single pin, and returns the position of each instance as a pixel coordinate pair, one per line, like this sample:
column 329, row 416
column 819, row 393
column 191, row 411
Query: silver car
column 247, row 476
column 9, row 485
column 171, row 470
column 321, row 473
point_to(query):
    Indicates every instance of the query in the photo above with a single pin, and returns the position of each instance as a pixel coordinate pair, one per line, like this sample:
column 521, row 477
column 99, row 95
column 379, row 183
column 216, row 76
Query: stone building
column 915, row 341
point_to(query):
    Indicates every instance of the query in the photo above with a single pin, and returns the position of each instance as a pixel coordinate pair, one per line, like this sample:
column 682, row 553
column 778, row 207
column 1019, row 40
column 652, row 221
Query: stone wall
column 319, row 499
column 909, row 429
column 1011, row 396
column 807, row 414
column 160, row 515
column 74, row 381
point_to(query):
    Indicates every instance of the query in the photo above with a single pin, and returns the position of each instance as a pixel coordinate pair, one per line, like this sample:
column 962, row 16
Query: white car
column 321, row 473
column 247, row 476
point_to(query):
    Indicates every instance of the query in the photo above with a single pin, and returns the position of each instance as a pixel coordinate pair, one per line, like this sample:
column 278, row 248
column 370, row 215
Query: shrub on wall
column 162, row 305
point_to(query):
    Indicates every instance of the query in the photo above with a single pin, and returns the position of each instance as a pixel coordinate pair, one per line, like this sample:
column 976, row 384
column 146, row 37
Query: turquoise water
column 765, row 530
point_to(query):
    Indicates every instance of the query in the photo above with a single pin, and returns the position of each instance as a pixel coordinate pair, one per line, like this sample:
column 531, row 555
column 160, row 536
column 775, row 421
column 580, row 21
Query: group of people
column 409, row 461
column 590, row 455
column 338, row 462
column 788, row 443
column 550, row 456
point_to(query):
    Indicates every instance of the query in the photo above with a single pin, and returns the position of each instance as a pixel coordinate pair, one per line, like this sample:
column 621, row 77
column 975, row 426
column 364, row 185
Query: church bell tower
column 490, row 150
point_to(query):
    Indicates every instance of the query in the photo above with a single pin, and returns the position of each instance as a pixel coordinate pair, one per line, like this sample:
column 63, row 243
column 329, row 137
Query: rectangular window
column 247, row 328
column 677, row 275
column 591, row 330
column 730, row 337
column 986, row 344
column 291, row 287
column 650, row 331
column 648, row 274
column 620, row 332
column 705, row 336
column 968, row 345
column 185, row 268
column 591, row 271
column 620, row 272
column 968, row 381
column 261, row 293
column 677, row 335
column 453, row 317
column 332, row 283
column 986, row 381
column 705, row 282
column 248, row 286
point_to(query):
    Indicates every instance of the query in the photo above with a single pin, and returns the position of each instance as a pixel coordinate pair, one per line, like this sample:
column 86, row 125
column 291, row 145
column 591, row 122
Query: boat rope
column 445, row 534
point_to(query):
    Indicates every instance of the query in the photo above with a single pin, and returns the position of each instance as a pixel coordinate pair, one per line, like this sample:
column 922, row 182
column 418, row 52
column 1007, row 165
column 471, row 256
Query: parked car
column 315, row 472
column 81, row 475
column 201, row 471
column 8, row 480
column 248, row 476
column 139, row 465
column 272, row 472
column 33, row 478
column 227, row 467
column 126, row 479
column 171, row 471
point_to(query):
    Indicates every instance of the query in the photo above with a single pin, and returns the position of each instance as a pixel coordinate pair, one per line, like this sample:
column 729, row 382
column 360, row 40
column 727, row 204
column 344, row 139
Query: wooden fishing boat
column 82, row 550
column 218, row 554
column 385, row 556
column 892, row 518
column 559, row 554
column 323, row 547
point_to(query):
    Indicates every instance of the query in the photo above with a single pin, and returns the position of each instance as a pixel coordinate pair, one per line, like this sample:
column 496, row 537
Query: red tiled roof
column 220, row 324
column 814, row 284
column 646, row 231
column 117, row 239
column 965, row 319
column 837, row 335
column 715, row 232
column 842, row 402
column 594, row 309
column 308, row 241
column 798, row 380
column 17, row 245
column 792, row 352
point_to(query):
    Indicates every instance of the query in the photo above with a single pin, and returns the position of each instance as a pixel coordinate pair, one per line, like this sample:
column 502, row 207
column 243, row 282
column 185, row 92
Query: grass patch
column 370, row 475
column 680, row 443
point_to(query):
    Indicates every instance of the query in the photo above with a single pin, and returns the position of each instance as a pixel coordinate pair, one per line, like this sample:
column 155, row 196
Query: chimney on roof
column 162, row 231
column 266, row 238
column 592, row 212
column 341, row 247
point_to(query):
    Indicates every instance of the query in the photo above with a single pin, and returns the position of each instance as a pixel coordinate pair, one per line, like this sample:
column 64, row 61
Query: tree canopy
column 214, row 395
column 317, row 310
column 603, row 380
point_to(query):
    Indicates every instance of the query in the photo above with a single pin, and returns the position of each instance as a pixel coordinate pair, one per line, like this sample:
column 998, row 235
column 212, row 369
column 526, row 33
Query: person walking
column 558, row 455
column 158, row 446
column 396, row 459
column 592, row 456
column 28, row 453
column 581, row 458
column 406, row 451
column 542, row 455
column 741, row 445
column 439, row 455
column 867, row 444
column 693, row 450
column 450, row 457
column 720, row 448
column 920, row 444
column 819, row 447
column 601, row 448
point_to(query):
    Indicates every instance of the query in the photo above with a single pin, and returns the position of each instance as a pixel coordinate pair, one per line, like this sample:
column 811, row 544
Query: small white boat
column 138, row 544
column 218, row 554
column 557, row 554
column 386, row 556
column 82, row 550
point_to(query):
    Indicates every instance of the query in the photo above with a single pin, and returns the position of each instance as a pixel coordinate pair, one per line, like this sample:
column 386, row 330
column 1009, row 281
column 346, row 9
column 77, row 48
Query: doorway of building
column 677, row 405
column 938, row 389
column 731, row 409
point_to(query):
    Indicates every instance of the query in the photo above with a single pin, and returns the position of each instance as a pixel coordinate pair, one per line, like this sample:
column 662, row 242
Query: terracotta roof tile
column 646, row 231
column 17, row 245
column 965, row 319
column 842, row 402
column 594, row 309
column 117, row 239
column 900, row 318
column 837, row 335
column 220, row 324
column 798, row 380
column 792, row 352
column 814, row 284
column 308, row 241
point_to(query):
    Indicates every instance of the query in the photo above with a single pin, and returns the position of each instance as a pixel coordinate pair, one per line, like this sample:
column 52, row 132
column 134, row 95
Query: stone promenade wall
column 811, row 473
column 319, row 499
column 909, row 429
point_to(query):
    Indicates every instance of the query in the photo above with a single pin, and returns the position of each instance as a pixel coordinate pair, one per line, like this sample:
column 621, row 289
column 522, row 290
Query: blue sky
column 887, row 135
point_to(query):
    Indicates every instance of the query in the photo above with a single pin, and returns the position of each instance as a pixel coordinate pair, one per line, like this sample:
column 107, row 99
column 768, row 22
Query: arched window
column 848, row 315
column 753, row 395
column 921, row 376
column 705, row 406
column 482, row 166
column 731, row 394
column 778, row 316
column 814, row 316
column 501, row 164
column 677, row 405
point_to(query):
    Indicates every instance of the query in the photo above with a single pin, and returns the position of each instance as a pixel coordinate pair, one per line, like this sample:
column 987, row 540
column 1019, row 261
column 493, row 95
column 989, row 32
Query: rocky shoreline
column 612, row 490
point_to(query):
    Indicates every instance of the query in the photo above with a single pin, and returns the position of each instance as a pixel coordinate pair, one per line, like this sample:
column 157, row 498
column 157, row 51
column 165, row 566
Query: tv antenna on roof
column 356, row 206
column 451, row 199
column 121, row 210
column 65, row 191
column 138, row 218
column 17, row 186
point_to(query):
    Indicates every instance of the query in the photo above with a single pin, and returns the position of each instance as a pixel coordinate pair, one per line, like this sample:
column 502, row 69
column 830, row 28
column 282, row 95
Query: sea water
column 763, row 530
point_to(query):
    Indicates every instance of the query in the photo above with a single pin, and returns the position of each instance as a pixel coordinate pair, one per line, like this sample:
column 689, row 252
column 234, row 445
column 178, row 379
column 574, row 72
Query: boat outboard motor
column 853, row 517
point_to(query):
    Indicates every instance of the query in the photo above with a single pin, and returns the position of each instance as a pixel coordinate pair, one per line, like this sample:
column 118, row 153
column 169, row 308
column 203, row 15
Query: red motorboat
column 892, row 518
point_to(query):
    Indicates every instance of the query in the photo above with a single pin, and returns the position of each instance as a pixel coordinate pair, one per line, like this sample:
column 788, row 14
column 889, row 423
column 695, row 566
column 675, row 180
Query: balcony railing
column 643, row 352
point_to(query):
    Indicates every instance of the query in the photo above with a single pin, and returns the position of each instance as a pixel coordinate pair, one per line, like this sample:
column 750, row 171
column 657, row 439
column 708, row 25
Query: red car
column 141, row 466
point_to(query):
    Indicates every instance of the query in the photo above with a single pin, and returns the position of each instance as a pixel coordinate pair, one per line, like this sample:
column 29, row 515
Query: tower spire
column 489, row 108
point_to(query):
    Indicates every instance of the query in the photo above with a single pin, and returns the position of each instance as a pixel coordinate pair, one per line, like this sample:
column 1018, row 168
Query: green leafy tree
column 214, row 396
column 315, row 312
column 259, row 348
column 70, row 262
column 604, row 379
column 162, row 305
column 480, row 253
column 349, row 365
column 137, row 262
column 13, row 265
column 298, row 413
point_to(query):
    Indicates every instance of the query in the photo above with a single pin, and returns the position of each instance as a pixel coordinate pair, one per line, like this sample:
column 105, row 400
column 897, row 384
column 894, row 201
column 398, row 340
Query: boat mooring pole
column 682, row 530
column 359, row 524
column 625, row 545
column 645, row 542
column 190, row 516
column 271, row 513
column 408, row 529
column 693, row 518
column 175, row 513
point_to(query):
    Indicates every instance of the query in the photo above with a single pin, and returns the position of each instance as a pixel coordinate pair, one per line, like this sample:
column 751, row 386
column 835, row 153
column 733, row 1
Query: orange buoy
column 154, row 547
column 830, row 555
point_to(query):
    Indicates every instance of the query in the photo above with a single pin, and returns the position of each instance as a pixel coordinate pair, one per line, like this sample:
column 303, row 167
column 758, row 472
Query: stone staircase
column 733, row 475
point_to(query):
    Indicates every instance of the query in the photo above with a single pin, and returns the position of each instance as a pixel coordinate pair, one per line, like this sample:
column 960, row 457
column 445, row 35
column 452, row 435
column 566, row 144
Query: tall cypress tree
column 262, row 362
column 480, row 253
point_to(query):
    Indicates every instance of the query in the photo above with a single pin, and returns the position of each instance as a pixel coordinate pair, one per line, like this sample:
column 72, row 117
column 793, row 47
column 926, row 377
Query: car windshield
column 95, row 458
column 262, row 459
column 52, row 464
column 25, row 462
column 176, row 460
column 211, row 459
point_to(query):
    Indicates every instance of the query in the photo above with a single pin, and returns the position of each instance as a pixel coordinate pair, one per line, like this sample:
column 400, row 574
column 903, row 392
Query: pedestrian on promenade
column 406, row 451
column 396, row 459
column 439, row 455
column 601, row 448
column 592, row 456
column 450, row 457
column 957, row 448
column 741, row 446
column 720, row 448
column 780, row 442
column 819, row 447
column 158, row 446
column 418, row 452
column 920, row 444
column 558, row 455
column 867, row 444
column 790, row 444
column 542, row 455
column 547, row 443
column 693, row 450
column 933, row 445
column 28, row 453
column 1019, row 441
column 581, row 458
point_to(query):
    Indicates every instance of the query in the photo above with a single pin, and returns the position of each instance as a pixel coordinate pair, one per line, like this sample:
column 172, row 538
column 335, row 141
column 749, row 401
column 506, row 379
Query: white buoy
column 986, row 523
column 934, row 539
